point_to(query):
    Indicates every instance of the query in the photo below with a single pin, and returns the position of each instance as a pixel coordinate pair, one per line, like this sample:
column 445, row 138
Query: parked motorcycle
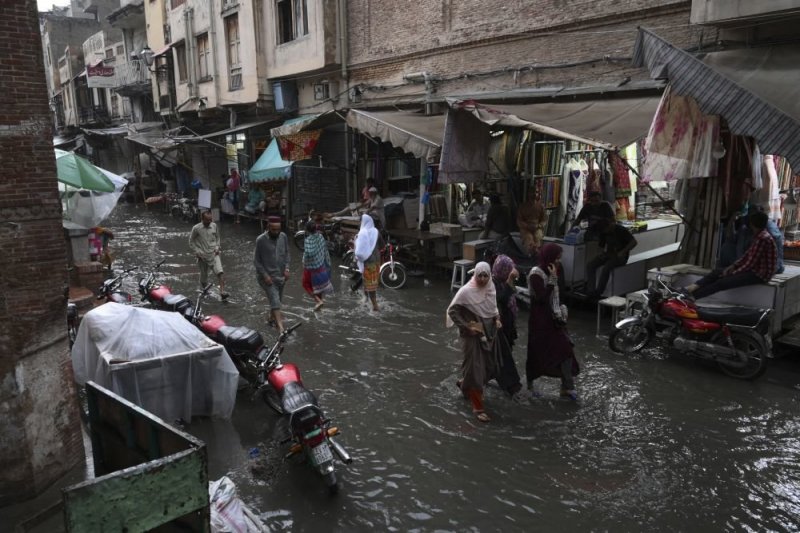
column 111, row 291
column 393, row 274
column 185, row 208
column 161, row 297
column 334, row 237
column 281, row 388
column 737, row 339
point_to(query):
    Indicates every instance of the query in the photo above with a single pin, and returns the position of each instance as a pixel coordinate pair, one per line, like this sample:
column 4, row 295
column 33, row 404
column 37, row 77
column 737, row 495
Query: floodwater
column 656, row 442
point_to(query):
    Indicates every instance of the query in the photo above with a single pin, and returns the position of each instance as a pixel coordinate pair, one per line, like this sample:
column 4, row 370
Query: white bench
column 632, row 276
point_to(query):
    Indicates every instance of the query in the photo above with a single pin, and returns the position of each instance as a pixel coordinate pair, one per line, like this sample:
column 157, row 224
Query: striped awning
column 747, row 110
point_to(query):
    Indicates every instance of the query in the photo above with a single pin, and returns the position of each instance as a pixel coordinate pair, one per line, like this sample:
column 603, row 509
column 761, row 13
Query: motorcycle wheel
column 630, row 339
column 393, row 278
column 176, row 211
column 270, row 397
column 756, row 355
column 331, row 482
column 300, row 241
column 349, row 260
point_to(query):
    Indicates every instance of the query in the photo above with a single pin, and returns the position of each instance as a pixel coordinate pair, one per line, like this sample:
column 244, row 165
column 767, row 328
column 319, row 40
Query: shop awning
column 755, row 90
column 307, row 123
column 411, row 132
column 608, row 123
column 235, row 129
column 270, row 166
column 158, row 140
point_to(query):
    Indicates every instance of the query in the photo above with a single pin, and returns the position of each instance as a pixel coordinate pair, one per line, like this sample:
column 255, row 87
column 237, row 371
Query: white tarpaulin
column 88, row 209
column 155, row 359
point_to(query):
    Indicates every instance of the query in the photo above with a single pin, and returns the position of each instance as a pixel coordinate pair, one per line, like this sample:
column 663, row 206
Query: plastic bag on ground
column 228, row 513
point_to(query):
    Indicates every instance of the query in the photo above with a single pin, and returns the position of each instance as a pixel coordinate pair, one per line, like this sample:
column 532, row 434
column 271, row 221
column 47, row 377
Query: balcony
column 133, row 78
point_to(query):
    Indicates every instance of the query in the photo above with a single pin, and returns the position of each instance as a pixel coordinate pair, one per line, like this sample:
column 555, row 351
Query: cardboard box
column 474, row 249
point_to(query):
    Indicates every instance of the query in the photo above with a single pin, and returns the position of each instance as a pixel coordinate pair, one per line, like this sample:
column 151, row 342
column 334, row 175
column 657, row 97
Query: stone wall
column 39, row 428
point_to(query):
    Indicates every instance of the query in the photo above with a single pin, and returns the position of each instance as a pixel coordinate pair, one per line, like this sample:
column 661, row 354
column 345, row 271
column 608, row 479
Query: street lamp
column 147, row 55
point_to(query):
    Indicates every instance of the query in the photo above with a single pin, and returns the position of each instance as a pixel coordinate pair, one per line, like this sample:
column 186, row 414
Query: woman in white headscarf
column 368, row 255
column 474, row 311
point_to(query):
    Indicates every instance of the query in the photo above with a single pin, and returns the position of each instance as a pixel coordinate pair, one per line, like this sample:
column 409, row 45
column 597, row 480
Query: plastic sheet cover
column 157, row 360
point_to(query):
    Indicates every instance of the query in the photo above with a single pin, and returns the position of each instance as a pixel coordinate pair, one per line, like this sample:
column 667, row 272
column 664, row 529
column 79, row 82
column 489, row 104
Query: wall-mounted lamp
column 718, row 152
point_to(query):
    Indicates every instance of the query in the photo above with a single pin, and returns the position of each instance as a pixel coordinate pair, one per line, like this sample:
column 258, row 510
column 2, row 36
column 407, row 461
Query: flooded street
column 655, row 442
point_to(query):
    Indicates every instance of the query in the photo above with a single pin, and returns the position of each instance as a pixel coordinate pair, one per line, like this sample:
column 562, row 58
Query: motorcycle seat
column 240, row 338
column 177, row 302
column 741, row 316
column 295, row 397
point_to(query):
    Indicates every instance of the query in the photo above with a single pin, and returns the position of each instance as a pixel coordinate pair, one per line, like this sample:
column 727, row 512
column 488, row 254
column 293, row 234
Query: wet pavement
column 656, row 442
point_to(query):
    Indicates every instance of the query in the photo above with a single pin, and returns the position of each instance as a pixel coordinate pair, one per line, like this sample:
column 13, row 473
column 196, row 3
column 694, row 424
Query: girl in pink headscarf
column 549, row 346
column 474, row 311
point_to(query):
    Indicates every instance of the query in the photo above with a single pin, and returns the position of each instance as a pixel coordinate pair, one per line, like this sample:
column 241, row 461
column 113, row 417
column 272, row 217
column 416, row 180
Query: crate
column 791, row 253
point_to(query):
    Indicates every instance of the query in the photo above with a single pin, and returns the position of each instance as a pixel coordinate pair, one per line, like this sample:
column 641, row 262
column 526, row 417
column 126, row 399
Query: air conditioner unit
column 285, row 96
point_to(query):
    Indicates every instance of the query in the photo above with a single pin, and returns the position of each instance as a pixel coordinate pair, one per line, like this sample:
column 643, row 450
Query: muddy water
column 656, row 442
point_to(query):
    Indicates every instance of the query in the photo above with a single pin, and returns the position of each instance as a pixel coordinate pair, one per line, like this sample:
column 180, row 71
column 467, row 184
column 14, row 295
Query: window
column 203, row 56
column 234, row 66
column 114, row 105
column 180, row 60
column 292, row 20
column 176, row 3
column 120, row 50
column 109, row 53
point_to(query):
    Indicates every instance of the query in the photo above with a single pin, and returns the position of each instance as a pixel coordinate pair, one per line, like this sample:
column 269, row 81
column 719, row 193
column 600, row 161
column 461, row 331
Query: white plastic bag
column 228, row 513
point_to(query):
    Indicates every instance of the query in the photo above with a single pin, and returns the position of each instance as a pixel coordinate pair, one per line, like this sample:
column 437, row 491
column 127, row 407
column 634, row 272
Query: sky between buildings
column 47, row 5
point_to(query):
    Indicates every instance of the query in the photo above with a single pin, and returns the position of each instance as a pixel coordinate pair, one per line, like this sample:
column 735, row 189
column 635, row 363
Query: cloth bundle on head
column 501, row 269
column 366, row 240
column 480, row 300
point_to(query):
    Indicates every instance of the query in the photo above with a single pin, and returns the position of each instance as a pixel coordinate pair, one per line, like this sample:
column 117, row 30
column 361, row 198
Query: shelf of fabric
column 547, row 157
column 549, row 189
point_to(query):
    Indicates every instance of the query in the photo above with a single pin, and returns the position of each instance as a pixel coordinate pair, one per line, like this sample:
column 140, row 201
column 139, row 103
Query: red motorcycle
column 281, row 388
column 161, row 297
column 111, row 291
column 736, row 338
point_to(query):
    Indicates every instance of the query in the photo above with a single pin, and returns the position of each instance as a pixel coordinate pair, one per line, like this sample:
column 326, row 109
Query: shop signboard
column 101, row 76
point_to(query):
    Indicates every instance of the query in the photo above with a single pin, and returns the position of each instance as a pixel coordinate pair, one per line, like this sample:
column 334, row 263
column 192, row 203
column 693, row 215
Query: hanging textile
column 770, row 197
column 680, row 141
column 299, row 146
column 621, row 175
column 465, row 149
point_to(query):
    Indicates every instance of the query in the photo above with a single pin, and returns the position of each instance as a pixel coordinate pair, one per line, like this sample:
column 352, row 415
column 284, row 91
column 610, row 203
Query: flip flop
column 482, row 416
column 319, row 306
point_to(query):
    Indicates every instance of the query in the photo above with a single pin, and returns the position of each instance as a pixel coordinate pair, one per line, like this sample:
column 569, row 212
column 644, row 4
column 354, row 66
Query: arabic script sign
column 101, row 76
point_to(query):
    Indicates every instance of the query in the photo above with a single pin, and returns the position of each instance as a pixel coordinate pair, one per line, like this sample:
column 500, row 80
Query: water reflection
column 656, row 442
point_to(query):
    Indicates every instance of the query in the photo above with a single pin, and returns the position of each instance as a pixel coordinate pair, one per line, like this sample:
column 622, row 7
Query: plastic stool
column 460, row 268
column 616, row 303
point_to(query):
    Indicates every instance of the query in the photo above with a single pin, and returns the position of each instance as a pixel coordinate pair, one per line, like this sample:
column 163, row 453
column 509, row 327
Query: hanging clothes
column 680, row 141
column 572, row 192
column 771, row 196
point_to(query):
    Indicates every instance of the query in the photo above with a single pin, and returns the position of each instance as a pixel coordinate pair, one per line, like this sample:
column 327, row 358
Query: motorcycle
column 280, row 386
column 334, row 237
column 110, row 289
column 736, row 339
column 393, row 274
column 161, row 297
column 185, row 208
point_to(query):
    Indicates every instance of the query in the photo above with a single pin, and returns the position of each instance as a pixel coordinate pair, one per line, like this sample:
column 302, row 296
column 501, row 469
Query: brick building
column 40, row 435
column 502, row 49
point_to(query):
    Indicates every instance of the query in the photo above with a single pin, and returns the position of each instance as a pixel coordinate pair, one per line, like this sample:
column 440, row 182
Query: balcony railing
column 134, row 72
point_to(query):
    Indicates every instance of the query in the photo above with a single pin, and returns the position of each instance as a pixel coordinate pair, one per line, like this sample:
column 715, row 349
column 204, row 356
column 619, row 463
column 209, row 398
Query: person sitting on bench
column 757, row 265
column 616, row 243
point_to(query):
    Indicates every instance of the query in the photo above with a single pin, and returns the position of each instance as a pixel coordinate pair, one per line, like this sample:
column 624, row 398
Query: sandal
column 318, row 306
column 482, row 416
